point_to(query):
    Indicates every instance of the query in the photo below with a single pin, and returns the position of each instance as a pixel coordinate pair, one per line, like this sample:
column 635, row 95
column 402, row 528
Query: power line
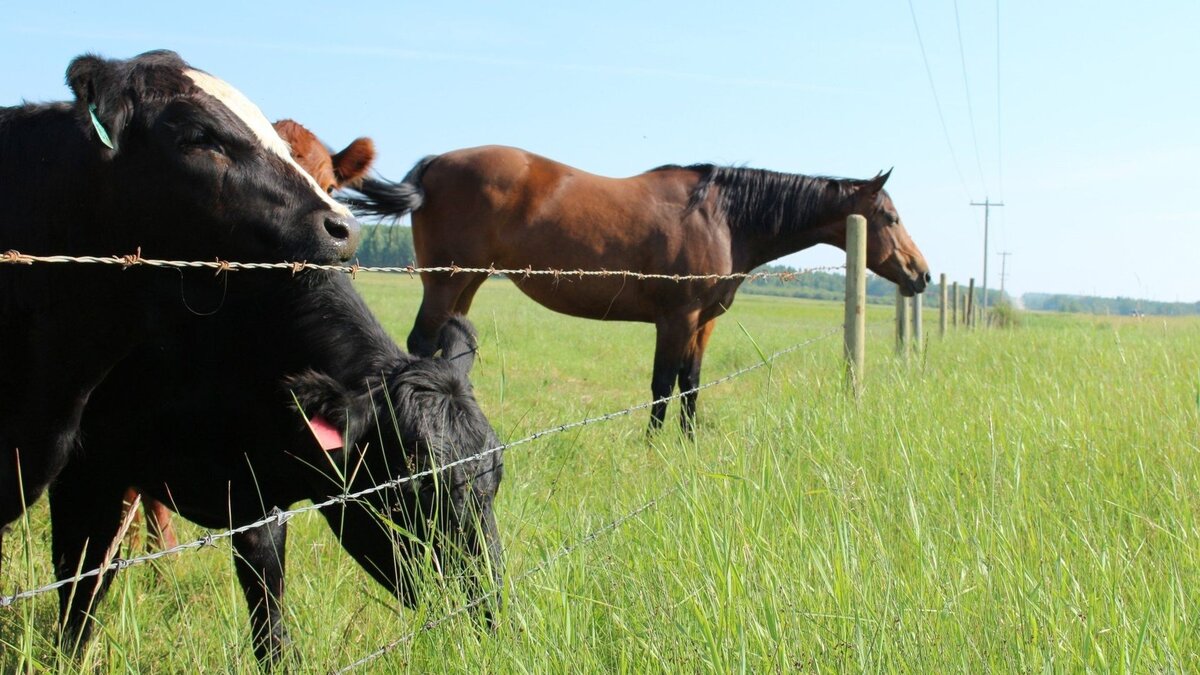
column 937, row 102
column 962, row 56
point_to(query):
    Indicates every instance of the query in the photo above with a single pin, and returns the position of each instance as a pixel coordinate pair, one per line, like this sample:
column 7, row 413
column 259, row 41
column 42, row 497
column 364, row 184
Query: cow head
column 195, row 170
column 420, row 416
column 332, row 171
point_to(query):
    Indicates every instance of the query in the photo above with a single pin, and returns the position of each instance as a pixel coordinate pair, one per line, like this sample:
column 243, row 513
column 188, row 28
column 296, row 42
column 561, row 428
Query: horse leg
column 671, row 340
column 689, row 374
column 441, row 298
column 259, row 564
column 463, row 305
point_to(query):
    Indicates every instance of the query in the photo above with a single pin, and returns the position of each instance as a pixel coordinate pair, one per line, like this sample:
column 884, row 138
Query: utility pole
column 1003, row 269
column 987, row 210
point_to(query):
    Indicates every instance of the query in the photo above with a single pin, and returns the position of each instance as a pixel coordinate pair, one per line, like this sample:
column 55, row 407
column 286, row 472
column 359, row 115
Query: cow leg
column 36, row 439
column 443, row 295
column 671, row 340
column 259, row 564
column 85, row 515
column 689, row 374
column 159, row 530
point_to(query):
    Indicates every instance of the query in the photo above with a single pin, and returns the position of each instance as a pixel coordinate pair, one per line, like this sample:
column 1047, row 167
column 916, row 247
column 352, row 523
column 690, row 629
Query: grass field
column 1009, row 500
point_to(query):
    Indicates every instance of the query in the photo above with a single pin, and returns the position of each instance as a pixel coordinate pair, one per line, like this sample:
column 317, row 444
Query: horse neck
column 52, row 192
column 784, row 225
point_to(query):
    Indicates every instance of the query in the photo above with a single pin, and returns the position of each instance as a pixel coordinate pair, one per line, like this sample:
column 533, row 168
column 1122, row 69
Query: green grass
column 1009, row 500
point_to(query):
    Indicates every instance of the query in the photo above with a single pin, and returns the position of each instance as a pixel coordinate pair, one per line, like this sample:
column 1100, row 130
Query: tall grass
column 1014, row 500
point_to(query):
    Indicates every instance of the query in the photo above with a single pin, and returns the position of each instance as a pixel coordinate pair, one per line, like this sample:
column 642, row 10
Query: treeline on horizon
column 386, row 245
column 1090, row 304
column 832, row 286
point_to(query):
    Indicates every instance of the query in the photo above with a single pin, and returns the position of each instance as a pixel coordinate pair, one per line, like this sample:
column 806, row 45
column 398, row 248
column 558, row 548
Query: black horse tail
column 383, row 198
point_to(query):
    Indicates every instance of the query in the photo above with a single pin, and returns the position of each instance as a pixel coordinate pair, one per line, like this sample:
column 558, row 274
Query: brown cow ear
column 101, row 108
column 351, row 164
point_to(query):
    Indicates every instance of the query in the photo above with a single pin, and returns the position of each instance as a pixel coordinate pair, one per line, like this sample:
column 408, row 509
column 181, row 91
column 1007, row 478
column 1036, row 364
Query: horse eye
column 329, row 190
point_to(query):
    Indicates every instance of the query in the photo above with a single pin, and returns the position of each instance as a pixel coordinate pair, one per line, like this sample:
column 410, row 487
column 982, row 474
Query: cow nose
column 339, row 228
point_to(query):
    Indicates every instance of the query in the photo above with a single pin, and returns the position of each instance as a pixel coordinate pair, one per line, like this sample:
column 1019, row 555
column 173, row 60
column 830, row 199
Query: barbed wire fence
column 280, row 516
column 12, row 257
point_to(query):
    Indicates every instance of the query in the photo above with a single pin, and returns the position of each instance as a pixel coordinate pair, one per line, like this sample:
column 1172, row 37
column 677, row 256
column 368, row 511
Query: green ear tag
column 99, row 127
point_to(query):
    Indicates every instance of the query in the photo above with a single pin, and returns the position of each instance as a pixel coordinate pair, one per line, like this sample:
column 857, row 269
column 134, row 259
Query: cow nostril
column 337, row 228
column 928, row 277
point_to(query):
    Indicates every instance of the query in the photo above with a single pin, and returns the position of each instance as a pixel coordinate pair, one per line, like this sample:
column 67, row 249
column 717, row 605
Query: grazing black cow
column 152, row 154
column 209, row 427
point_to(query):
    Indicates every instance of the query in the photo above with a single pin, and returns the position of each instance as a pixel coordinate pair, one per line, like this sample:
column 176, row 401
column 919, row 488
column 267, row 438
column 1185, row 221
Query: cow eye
column 198, row 138
column 329, row 190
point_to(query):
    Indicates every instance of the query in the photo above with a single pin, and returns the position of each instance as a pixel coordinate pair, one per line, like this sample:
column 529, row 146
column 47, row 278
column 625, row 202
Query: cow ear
column 317, row 395
column 457, row 343
column 351, row 164
column 100, row 106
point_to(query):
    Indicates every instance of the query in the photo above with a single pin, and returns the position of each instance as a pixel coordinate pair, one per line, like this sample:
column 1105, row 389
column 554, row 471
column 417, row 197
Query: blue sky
column 1088, row 128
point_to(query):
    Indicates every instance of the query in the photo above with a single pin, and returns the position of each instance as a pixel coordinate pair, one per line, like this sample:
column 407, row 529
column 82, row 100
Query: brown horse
column 332, row 172
column 512, row 209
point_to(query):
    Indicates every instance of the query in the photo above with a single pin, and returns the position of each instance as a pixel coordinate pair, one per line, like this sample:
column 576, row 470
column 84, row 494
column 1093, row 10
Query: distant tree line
column 1090, row 304
column 832, row 286
column 386, row 246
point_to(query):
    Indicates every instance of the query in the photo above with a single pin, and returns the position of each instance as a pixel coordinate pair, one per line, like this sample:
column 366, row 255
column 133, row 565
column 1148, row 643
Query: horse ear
column 876, row 183
column 100, row 107
column 458, row 344
column 351, row 164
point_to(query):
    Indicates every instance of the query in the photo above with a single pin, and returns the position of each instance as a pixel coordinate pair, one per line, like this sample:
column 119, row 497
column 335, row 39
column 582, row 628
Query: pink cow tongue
column 327, row 436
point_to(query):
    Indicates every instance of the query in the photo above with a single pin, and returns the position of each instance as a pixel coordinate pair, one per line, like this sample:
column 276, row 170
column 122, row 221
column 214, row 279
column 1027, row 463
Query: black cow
column 208, row 425
column 152, row 154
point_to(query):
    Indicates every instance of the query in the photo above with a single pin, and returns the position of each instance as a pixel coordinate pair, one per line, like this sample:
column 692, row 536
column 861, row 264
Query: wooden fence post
column 856, row 301
column 903, row 327
column 918, row 329
column 971, row 303
column 942, row 309
column 955, row 301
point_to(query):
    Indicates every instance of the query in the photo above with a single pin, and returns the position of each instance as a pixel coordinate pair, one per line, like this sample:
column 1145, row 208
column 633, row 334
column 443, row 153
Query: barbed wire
column 13, row 257
column 281, row 517
column 563, row 551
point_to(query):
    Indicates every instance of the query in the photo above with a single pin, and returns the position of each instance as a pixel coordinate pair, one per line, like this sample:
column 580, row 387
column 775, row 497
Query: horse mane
column 768, row 202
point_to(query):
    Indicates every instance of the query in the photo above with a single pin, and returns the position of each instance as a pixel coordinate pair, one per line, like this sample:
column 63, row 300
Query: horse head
column 891, row 252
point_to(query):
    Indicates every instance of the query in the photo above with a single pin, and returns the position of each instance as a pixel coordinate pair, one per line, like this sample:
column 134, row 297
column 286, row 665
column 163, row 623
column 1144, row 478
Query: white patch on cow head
column 252, row 117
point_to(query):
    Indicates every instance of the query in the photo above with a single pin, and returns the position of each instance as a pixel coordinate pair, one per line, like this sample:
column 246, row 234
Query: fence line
column 281, row 517
column 136, row 260
column 563, row 551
